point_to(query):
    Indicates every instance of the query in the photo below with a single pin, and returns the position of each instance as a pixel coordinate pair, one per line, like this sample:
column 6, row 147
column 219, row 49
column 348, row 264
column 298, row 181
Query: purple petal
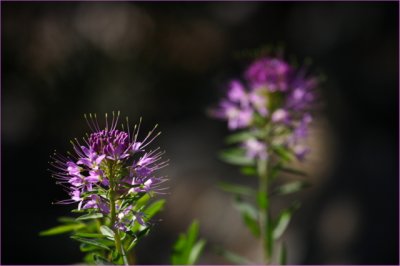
column 84, row 161
column 136, row 146
column 143, row 171
column 99, row 159
column 86, row 151
column 139, row 218
column 280, row 116
column 75, row 181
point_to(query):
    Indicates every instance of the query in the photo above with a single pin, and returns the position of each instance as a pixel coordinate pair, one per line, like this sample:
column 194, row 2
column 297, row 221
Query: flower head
column 110, row 159
column 273, row 73
column 273, row 93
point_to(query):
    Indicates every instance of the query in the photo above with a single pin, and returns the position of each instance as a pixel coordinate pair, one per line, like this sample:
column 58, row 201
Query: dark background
column 169, row 62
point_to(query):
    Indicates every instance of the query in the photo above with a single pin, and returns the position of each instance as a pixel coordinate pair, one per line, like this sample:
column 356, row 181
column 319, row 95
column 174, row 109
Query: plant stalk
column 117, row 238
column 263, row 209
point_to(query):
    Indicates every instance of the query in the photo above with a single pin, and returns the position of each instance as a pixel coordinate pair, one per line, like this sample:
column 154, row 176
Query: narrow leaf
column 282, row 223
column 154, row 208
column 187, row 249
column 99, row 260
column 192, row 233
column 88, row 259
column 292, row 187
column 236, row 189
column 142, row 201
column 248, row 170
column 88, row 235
column 67, row 220
column 245, row 207
column 241, row 136
column 249, row 215
column 61, row 229
column 293, row 171
column 196, row 251
column 106, row 231
column 90, row 242
column 87, row 248
column 180, row 243
column 233, row 257
column 132, row 244
column 236, row 157
column 90, row 216
column 283, row 153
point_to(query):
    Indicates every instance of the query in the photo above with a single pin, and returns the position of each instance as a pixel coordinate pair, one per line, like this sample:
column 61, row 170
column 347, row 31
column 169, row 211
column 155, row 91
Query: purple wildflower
column 300, row 152
column 280, row 116
column 272, row 73
column 238, row 117
column 302, row 95
column 273, row 93
column 107, row 155
column 259, row 101
column 255, row 149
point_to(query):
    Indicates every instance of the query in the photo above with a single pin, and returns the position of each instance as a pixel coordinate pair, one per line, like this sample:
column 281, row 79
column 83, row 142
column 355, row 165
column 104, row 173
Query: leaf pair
column 188, row 248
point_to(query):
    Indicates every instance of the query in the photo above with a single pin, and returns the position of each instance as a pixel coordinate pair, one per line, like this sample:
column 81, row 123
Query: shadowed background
column 169, row 62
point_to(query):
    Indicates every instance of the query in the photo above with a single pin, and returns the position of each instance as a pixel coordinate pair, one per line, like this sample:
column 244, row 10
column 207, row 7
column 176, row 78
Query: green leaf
column 293, row 171
column 78, row 211
column 192, row 233
column 196, row 251
column 89, row 235
column 89, row 216
column 61, row 229
column 252, row 224
column 187, row 249
column 67, row 220
column 87, row 248
column 180, row 243
column 284, row 153
column 248, row 170
column 282, row 223
column 242, row 136
column 292, row 187
column 233, row 257
column 154, row 208
column 236, row 189
column 142, row 201
column 106, row 231
column 88, row 259
column 90, row 242
column 245, row 207
column 143, row 232
column 115, row 255
column 282, row 254
column 131, row 186
column 236, row 156
column 249, row 215
column 132, row 244
column 99, row 260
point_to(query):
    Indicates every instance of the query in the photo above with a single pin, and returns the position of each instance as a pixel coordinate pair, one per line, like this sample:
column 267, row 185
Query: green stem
column 117, row 238
column 264, row 217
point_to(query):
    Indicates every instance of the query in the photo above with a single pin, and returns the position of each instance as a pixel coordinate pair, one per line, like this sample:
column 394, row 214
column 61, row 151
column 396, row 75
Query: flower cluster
column 109, row 169
column 275, row 95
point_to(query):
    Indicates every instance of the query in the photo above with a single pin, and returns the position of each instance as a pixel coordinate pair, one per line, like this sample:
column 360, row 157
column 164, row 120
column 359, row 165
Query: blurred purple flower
column 275, row 89
column 255, row 149
column 259, row 101
column 280, row 116
column 273, row 73
column 238, row 117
